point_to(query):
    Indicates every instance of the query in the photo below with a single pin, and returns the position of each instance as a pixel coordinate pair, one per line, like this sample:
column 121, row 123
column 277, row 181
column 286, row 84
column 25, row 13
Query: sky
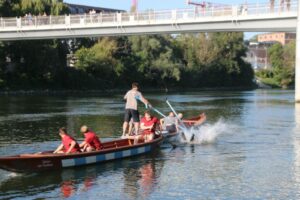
column 155, row 4
column 152, row 4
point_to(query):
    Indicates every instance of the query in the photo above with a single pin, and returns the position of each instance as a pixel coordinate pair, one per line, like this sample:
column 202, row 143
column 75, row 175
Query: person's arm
column 73, row 143
column 125, row 97
column 177, row 125
column 145, row 127
column 142, row 98
column 161, row 121
column 59, row 148
column 145, row 101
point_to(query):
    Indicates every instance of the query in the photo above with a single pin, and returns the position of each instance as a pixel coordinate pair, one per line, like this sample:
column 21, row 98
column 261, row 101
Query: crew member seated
column 68, row 145
column 91, row 141
column 169, row 123
column 148, row 126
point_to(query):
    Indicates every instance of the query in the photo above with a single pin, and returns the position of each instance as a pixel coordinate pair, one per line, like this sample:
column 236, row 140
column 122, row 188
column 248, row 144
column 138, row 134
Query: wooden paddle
column 173, row 110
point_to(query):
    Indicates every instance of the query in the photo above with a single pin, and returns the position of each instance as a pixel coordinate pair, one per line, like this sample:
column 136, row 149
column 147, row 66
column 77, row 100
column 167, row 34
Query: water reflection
column 140, row 176
column 297, row 146
column 140, row 181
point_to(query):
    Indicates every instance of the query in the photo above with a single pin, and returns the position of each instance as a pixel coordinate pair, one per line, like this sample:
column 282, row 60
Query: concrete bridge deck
column 244, row 17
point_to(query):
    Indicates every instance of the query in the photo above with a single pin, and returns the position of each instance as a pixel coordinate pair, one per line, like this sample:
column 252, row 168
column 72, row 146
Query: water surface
column 248, row 149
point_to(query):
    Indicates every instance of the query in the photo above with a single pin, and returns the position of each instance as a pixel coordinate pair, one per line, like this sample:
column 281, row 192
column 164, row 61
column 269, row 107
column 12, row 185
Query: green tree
column 275, row 54
column 99, row 60
column 156, row 56
column 282, row 59
column 34, row 63
column 215, row 59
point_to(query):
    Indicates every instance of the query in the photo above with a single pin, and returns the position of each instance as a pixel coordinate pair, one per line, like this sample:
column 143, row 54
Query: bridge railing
column 150, row 16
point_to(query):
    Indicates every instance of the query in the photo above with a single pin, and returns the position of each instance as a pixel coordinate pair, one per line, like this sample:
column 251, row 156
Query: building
column 257, row 56
column 282, row 38
column 80, row 9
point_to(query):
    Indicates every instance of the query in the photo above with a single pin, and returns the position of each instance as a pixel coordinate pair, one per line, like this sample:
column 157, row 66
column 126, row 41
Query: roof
column 93, row 7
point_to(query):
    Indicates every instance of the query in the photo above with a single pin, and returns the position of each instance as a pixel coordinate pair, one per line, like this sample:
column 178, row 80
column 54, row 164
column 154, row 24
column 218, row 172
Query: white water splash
column 206, row 133
column 13, row 174
column 4, row 175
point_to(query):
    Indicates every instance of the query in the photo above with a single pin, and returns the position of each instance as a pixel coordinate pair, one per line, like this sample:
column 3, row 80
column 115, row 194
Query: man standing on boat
column 131, row 110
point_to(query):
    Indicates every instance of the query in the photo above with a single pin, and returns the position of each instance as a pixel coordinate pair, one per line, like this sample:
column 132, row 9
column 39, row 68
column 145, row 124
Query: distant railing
column 150, row 16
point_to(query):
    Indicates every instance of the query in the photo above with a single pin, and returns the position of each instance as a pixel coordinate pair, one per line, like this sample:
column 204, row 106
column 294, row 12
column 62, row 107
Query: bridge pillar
column 297, row 67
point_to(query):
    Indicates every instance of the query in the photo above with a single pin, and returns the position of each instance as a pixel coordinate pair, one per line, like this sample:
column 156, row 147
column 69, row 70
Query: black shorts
column 130, row 113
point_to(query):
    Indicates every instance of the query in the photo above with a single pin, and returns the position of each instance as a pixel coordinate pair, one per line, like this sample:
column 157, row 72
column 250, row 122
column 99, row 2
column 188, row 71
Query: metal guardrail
column 150, row 16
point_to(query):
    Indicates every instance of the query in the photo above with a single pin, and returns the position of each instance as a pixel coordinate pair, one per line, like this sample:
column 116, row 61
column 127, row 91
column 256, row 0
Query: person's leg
column 60, row 151
column 136, row 127
column 137, row 138
column 125, row 125
column 89, row 149
column 136, row 120
column 127, row 118
column 130, row 128
column 150, row 137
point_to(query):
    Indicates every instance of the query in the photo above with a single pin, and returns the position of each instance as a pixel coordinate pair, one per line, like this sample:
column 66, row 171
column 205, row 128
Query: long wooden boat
column 195, row 121
column 189, row 122
column 43, row 161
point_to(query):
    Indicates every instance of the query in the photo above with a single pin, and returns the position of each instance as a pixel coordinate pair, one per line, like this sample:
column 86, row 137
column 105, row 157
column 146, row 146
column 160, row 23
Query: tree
column 275, row 54
column 157, row 60
column 282, row 59
column 99, row 60
column 36, row 63
column 215, row 59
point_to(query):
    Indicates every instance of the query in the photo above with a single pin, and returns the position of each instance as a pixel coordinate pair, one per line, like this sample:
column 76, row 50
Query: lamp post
column 266, row 57
column 297, row 70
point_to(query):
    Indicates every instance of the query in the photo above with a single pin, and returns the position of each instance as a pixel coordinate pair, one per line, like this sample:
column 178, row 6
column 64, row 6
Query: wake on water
column 206, row 133
column 4, row 175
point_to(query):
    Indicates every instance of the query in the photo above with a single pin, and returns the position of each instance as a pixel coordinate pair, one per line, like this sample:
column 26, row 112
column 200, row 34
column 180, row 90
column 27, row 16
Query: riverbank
column 49, row 92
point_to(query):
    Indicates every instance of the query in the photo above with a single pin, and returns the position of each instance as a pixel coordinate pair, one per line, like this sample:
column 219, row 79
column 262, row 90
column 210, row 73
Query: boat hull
column 189, row 123
column 48, row 161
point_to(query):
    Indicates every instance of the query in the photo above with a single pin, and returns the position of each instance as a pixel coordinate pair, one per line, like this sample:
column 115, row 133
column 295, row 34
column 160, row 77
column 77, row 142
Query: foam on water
column 4, row 175
column 206, row 133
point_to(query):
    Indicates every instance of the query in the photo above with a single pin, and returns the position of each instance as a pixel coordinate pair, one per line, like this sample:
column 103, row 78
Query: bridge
column 245, row 17
column 260, row 17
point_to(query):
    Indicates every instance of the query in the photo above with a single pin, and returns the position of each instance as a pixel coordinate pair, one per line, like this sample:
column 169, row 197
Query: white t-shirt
column 131, row 99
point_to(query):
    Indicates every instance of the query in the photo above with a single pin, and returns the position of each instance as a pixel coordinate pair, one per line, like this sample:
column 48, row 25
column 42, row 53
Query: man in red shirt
column 91, row 141
column 68, row 145
column 148, row 126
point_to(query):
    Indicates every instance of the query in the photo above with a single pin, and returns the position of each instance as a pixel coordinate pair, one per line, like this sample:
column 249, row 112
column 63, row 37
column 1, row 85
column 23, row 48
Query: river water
column 249, row 148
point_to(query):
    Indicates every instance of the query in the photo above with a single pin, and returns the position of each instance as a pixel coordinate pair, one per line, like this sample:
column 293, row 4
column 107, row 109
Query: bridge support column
column 297, row 67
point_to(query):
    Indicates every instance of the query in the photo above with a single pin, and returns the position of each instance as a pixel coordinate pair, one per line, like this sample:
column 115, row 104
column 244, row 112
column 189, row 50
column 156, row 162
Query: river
column 249, row 148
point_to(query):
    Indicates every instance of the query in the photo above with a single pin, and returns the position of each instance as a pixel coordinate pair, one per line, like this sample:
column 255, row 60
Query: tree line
column 282, row 71
column 157, row 61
